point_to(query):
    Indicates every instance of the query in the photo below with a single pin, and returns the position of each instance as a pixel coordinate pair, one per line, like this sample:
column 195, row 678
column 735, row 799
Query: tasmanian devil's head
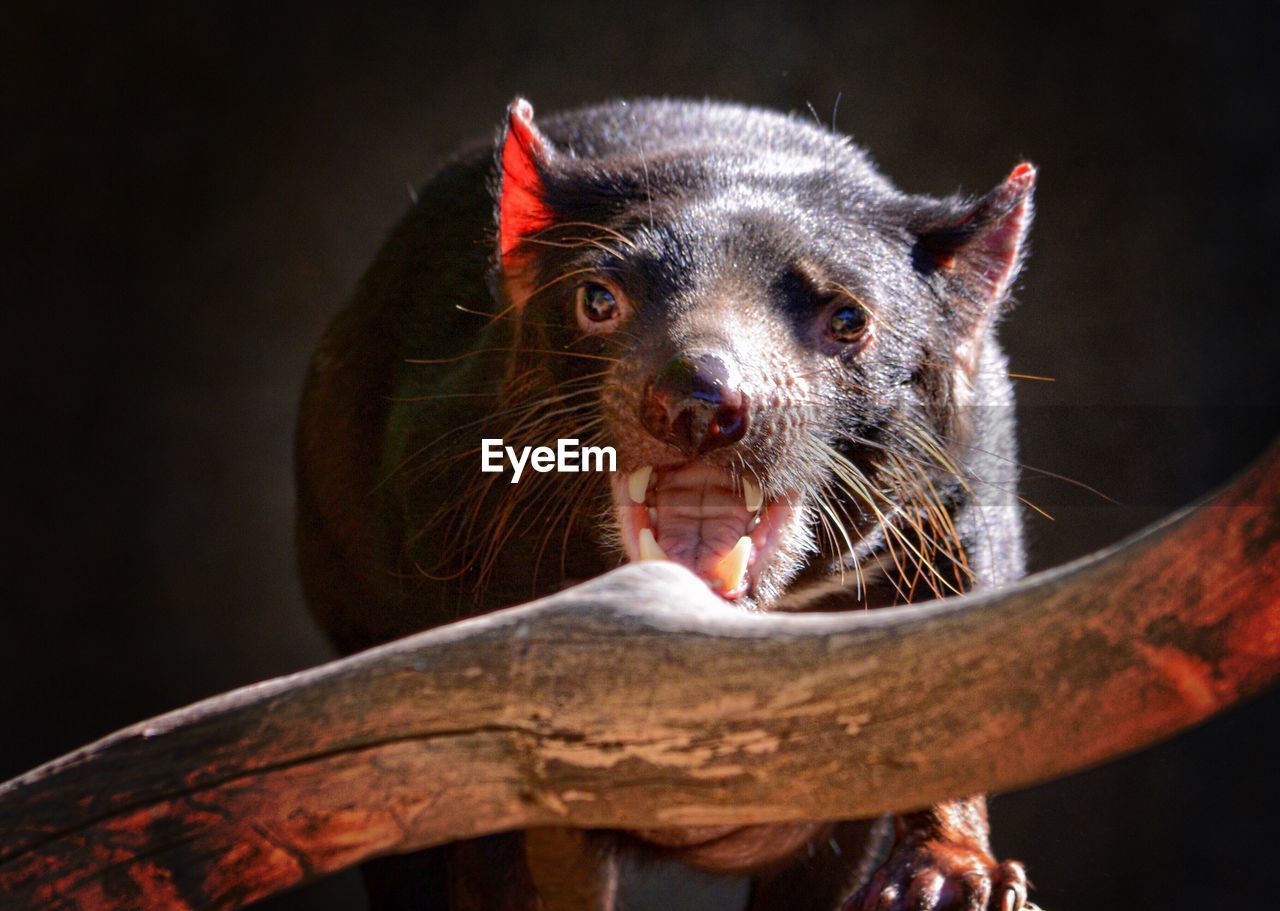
column 781, row 346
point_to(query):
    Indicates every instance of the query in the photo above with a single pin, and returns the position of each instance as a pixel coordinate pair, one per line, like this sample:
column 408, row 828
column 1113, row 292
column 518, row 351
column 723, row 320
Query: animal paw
column 941, row 876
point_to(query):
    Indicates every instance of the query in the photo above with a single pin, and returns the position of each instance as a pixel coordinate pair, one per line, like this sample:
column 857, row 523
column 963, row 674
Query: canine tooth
column 733, row 565
column 653, row 516
column 638, row 483
column 753, row 495
column 650, row 549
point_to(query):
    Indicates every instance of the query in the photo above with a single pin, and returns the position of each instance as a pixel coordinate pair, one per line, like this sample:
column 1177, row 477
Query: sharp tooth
column 638, row 483
column 753, row 495
column 733, row 566
column 650, row 549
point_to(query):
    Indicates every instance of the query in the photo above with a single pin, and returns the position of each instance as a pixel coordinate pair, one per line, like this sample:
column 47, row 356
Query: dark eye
column 849, row 323
column 597, row 304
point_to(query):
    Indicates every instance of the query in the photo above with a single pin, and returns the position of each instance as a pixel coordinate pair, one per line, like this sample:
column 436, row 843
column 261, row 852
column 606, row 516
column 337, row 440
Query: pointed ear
column 522, row 158
column 981, row 249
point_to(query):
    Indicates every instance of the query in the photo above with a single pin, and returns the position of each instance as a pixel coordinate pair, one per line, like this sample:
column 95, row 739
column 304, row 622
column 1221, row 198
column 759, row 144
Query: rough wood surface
column 640, row 700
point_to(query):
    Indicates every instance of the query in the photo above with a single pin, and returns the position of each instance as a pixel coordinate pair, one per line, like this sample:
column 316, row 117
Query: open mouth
column 722, row 528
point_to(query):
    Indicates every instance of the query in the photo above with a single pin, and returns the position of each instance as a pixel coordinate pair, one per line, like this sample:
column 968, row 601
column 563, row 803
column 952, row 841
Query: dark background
column 191, row 193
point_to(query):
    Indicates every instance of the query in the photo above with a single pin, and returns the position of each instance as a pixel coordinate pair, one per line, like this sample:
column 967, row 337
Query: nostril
column 730, row 424
column 655, row 413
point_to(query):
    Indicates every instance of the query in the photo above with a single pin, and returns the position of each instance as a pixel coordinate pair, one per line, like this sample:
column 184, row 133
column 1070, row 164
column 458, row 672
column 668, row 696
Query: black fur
column 731, row 229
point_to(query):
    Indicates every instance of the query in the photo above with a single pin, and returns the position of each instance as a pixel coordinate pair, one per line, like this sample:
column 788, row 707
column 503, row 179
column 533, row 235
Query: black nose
column 693, row 405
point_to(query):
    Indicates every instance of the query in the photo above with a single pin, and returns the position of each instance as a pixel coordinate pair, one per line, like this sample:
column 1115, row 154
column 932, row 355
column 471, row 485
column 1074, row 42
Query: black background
column 191, row 193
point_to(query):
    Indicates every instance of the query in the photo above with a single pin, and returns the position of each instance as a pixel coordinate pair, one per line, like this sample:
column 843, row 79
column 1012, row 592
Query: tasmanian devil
column 796, row 364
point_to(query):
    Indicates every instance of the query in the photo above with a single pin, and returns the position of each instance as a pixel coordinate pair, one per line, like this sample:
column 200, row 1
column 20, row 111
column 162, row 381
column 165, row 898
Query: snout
column 694, row 404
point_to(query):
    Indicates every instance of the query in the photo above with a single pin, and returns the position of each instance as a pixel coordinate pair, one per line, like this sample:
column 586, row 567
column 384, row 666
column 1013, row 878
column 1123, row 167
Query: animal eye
column 597, row 302
column 598, row 306
column 849, row 323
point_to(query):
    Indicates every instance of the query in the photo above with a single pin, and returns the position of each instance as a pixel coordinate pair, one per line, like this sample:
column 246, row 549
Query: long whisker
column 604, row 229
column 519, row 408
column 856, row 483
column 429, row 361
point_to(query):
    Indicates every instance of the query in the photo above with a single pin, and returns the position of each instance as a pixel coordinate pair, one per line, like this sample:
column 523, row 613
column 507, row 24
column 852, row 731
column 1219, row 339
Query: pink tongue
column 699, row 519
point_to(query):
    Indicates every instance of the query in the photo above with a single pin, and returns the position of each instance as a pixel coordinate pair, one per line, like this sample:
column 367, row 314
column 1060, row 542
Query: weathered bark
column 640, row 700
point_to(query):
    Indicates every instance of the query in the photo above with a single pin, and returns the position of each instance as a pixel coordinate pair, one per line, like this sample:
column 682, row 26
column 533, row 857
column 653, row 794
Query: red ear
column 521, row 209
column 983, row 249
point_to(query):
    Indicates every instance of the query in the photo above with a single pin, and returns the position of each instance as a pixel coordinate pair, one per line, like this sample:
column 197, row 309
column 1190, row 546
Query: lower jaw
column 731, row 849
column 755, row 547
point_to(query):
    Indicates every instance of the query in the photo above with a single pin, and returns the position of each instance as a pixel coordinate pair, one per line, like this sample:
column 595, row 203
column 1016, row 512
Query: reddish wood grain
column 640, row 700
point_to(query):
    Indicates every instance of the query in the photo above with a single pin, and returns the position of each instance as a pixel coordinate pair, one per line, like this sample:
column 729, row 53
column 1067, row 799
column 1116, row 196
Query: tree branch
column 641, row 700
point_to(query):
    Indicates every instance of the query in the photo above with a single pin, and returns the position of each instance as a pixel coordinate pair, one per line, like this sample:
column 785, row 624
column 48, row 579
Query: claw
column 926, row 889
column 888, row 898
column 1013, row 895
